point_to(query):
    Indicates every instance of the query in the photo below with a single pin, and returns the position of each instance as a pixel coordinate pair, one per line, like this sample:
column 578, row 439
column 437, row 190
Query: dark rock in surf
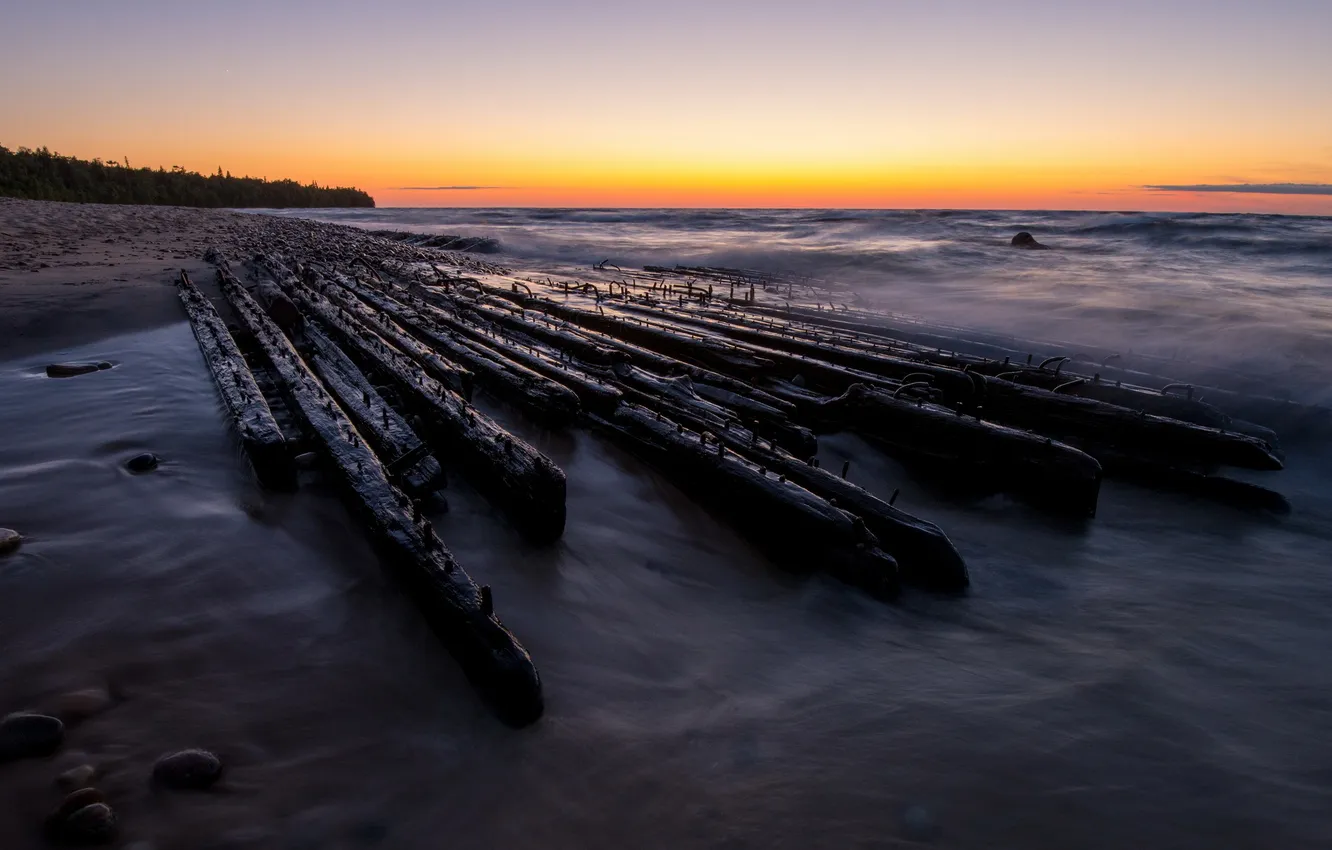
column 69, row 370
column 29, row 736
column 1026, row 240
column 83, row 819
column 145, row 462
column 77, row 800
column 9, row 540
column 187, row 770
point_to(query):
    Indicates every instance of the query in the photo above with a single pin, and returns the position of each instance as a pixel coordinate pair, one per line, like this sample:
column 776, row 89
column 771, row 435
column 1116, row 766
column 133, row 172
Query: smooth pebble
column 192, row 770
column 28, row 735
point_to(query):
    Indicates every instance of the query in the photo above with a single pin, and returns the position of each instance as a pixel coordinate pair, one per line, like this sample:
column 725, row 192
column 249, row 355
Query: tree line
column 45, row 176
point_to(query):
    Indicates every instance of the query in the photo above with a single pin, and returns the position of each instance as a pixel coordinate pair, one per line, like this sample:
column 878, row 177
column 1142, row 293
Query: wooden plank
column 259, row 433
column 456, row 608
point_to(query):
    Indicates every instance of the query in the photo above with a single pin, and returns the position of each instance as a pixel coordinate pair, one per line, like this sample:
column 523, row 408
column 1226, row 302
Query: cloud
column 1252, row 188
column 447, row 188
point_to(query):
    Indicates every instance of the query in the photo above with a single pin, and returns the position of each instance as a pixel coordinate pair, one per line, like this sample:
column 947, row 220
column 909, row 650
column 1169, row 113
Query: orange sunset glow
column 869, row 105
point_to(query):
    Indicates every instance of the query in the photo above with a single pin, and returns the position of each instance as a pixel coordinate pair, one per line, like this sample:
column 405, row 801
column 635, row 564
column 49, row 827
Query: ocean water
column 1154, row 677
column 1252, row 292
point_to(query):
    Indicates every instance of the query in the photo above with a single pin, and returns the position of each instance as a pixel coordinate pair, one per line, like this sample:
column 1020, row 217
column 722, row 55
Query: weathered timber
column 585, row 349
column 591, row 390
column 259, row 432
column 1089, row 422
column 452, row 375
column 926, row 556
column 411, row 465
column 1243, row 397
column 459, row 611
column 277, row 304
column 525, row 483
column 701, row 349
column 795, row 527
column 1051, row 474
column 1214, row 488
column 546, row 401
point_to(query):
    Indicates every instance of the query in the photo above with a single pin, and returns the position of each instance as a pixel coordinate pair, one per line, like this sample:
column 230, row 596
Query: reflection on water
column 1154, row 678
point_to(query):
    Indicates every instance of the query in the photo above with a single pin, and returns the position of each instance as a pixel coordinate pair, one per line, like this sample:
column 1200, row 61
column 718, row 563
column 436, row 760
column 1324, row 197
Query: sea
column 1154, row 677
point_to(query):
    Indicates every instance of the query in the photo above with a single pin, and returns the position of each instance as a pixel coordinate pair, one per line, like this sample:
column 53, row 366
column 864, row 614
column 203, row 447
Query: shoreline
column 1142, row 679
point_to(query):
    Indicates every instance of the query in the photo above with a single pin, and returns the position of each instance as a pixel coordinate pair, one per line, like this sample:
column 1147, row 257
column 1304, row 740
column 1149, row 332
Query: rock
column 95, row 824
column 9, row 540
column 71, row 804
column 305, row 460
column 69, row 370
column 77, row 706
column 1026, row 240
column 29, row 735
column 188, row 770
column 145, row 462
column 77, row 777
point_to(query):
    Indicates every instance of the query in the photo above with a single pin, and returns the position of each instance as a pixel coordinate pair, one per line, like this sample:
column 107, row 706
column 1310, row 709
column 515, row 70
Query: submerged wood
column 459, row 611
column 525, row 483
column 1048, row 473
column 260, row 435
column 455, row 377
column 546, row 401
column 593, row 392
column 405, row 456
column 794, row 526
column 925, row 555
column 1240, row 396
column 1090, row 422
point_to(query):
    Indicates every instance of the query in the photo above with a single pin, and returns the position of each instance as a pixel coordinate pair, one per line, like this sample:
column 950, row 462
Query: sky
column 1216, row 106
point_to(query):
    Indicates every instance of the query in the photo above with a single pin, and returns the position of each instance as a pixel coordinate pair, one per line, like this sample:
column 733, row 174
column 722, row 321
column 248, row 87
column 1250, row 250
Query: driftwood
column 456, row 608
column 450, row 374
column 546, row 401
column 924, row 553
column 405, row 456
column 593, row 392
column 1090, row 422
column 1041, row 470
column 277, row 305
column 796, row 527
column 521, row 480
column 260, row 435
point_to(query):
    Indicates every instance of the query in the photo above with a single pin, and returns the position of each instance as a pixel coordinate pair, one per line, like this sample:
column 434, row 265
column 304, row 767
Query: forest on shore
column 45, row 176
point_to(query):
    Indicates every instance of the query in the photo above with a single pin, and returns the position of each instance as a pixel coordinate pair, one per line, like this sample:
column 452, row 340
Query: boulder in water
column 9, row 540
column 145, row 462
column 69, row 370
column 1026, row 240
column 26, row 735
column 188, row 770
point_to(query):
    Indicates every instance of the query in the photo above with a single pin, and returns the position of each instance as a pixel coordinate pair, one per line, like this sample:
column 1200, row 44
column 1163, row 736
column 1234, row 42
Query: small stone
column 29, row 735
column 145, row 462
column 188, row 770
column 77, row 777
column 71, row 804
column 305, row 460
column 77, row 706
column 95, row 824
column 9, row 540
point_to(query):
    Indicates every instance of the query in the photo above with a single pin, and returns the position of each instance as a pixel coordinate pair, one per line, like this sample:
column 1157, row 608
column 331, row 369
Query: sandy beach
column 1106, row 684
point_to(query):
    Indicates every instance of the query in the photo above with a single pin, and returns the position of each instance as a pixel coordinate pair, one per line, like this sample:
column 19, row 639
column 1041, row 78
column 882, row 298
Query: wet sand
column 1154, row 678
